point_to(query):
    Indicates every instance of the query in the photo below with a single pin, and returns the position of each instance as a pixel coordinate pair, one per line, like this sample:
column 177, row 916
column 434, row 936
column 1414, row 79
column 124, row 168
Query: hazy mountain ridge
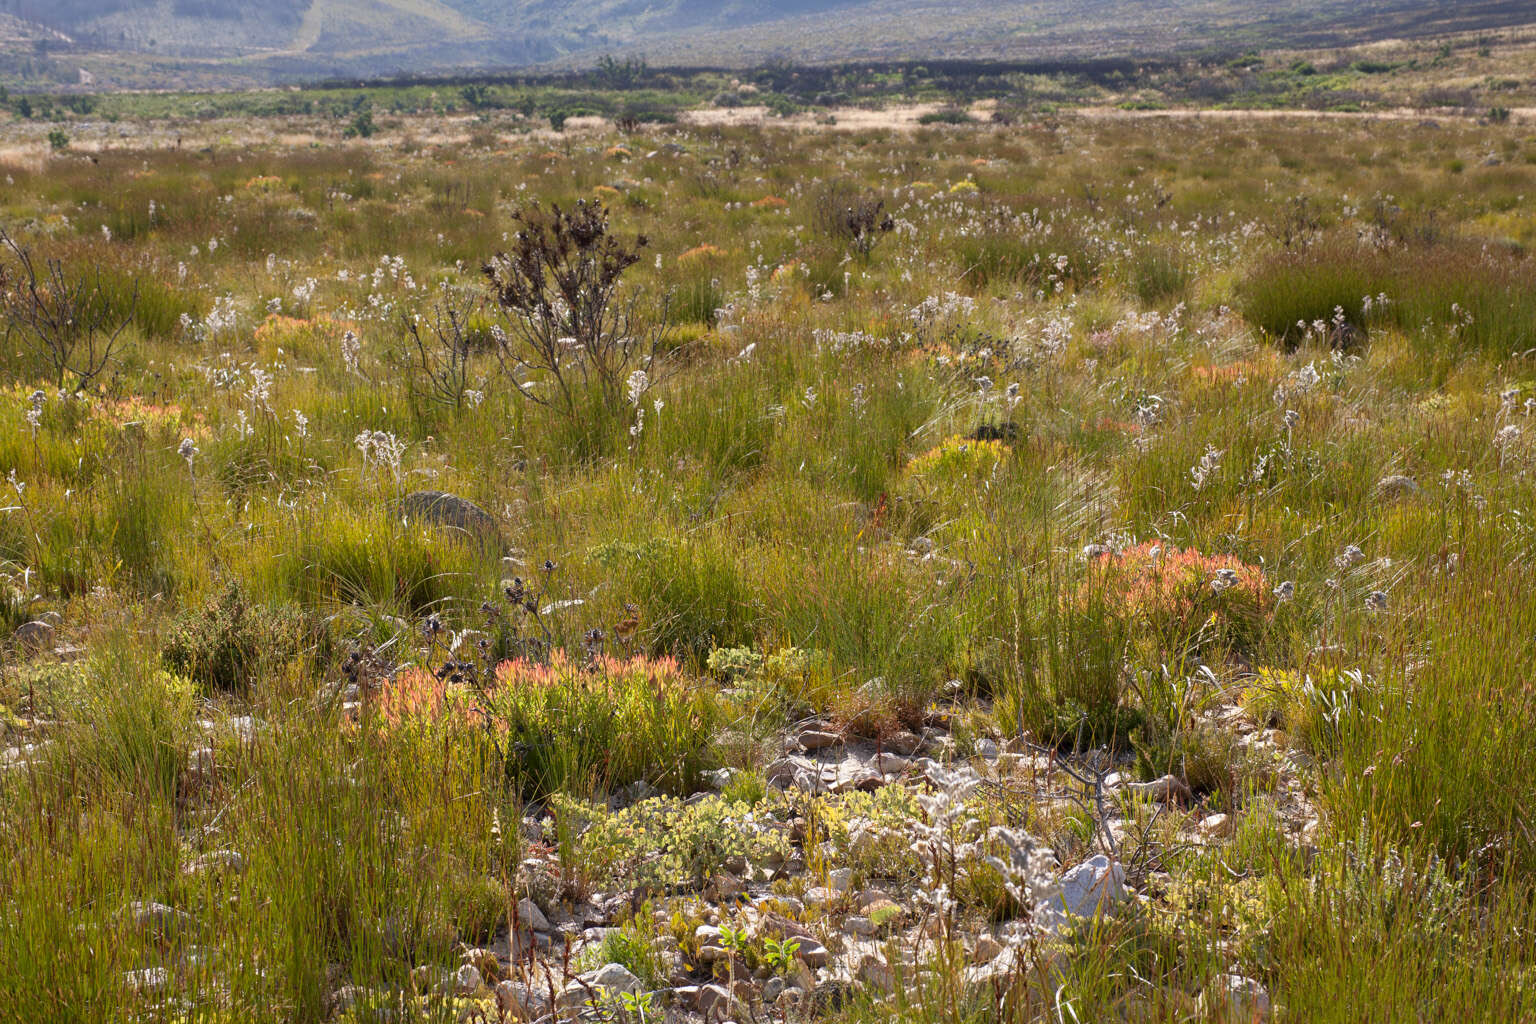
column 284, row 40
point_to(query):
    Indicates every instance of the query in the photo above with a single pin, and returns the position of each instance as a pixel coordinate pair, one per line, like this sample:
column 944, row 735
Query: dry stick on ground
column 1092, row 780
column 63, row 316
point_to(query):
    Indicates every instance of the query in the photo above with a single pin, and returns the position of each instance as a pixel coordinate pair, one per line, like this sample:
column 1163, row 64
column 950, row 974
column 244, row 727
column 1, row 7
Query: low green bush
column 226, row 645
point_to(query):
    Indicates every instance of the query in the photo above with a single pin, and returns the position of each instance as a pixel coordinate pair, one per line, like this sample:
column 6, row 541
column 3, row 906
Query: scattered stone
column 840, row 880
column 157, row 919
column 718, row 1003
column 467, row 980
column 903, row 743
column 816, row 738
column 573, row 995
column 772, row 989
column 1163, row 790
column 614, row 978
column 516, row 1001
column 877, row 974
column 813, row 954
column 723, row 886
column 529, row 915
column 242, row 727
column 890, row 764
column 987, row 949
column 1239, row 999
column 795, row 773
column 853, row 775
column 16, row 757
column 33, row 636
column 987, row 749
column 1215, row 826
column 1397, row 486
column 148, row 980
column 859, row 925
column 486, row 962
column 215, row 861
column 1092, row 887
column 449, row 510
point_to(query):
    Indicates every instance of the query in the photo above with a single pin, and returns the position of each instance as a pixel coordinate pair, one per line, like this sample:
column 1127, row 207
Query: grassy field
column 1077, row 569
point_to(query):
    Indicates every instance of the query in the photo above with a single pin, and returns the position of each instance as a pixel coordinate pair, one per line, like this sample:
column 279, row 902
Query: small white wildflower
column 380, row 448
column 187, row 450
column 1209, row 463
column 1285, row 591
column 260, row 392
column 636, row 386
column 1351, row 555
column 1305, row 379
column 35, row 412
column 1376, row 601
column 1225, row 580
column 351, row 348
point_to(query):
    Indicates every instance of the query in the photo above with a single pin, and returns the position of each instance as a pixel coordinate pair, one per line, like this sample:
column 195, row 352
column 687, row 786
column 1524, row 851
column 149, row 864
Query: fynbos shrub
column 227, row 644
column 570, row 329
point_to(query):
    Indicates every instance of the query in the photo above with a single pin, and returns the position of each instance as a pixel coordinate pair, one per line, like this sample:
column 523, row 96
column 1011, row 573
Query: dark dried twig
column 64, row 316
column 443, row 349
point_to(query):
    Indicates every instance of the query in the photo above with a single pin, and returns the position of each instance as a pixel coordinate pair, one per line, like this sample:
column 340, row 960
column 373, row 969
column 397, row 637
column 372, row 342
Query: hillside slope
column 152, row 42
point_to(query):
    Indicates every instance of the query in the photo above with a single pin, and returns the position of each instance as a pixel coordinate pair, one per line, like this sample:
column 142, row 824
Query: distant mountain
column 170, row 42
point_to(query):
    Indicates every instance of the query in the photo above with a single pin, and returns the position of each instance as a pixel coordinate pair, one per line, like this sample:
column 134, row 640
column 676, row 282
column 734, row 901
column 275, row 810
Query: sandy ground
column 23, row 144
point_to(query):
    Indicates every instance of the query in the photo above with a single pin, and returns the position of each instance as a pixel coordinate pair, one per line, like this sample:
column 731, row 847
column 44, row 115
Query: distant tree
column 362, row 126
column 617, row 74
column 478, row 96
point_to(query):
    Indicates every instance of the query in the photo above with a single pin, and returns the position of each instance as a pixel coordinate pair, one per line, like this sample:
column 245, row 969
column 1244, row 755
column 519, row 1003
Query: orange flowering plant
column 1184, row 597
column 562, row 724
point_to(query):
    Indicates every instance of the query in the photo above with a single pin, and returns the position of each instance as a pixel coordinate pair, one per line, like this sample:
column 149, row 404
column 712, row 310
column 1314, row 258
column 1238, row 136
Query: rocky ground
column 861, row 871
